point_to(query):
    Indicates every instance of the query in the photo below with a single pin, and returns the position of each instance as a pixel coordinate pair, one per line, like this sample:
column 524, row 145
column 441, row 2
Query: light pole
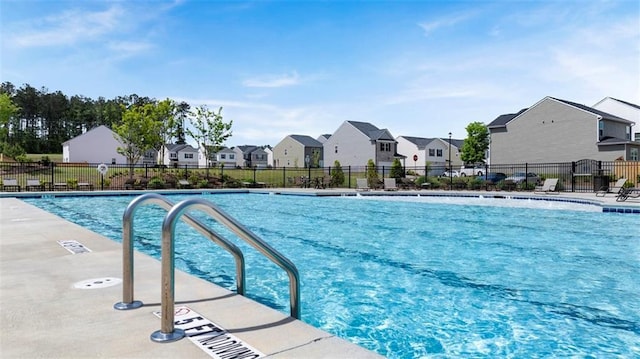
column 450, row 166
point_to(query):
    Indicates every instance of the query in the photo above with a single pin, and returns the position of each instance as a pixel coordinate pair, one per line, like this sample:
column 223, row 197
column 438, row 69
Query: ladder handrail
column 167, row 331
column 127, row 247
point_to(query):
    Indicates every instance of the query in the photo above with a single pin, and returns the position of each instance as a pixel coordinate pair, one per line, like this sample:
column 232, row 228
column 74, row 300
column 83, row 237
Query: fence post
column 284, row 177
column 349, row 182
column 573, row 177
column 52, row 165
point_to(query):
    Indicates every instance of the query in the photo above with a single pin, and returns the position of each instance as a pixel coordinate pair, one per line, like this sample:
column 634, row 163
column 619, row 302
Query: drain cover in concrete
column 74, row 246
column 97, row 283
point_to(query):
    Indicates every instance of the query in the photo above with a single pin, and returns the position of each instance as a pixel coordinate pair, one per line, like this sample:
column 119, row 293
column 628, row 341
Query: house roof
column 247, row 148
column 604, row 115
column 502, row 120
column 420, row 142
column 177, row 148
column 306, row 141
column 372, row 131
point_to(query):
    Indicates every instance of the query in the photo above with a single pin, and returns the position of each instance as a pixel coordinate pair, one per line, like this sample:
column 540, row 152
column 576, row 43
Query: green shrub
column 155, row 183
column 337, row 175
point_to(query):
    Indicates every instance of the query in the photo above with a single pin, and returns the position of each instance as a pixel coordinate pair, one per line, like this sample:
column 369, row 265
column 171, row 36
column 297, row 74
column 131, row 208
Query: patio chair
column 184, row 184
column 361, row 184
column 33, row 184
column 390, row 184
column 60, row 186
column 626, row 193
column 10, row 184
column 616, row 188
column 85, row 186
column 548, row 187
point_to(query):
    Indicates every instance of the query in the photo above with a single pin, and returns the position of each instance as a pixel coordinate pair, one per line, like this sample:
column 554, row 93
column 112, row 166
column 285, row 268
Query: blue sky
column 417, row 68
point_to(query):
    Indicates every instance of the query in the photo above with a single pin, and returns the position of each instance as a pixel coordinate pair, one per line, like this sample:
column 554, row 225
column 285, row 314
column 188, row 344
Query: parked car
column 471, row 170
column 520, row 177
column 495, row 177
column 454, row 173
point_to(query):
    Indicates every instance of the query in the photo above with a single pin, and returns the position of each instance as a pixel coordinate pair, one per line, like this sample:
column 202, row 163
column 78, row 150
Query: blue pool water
column 412, row 278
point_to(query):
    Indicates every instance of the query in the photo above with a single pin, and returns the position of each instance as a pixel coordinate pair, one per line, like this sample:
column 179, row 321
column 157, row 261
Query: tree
column 476, row 144
column 396, row 169
column 372, row 174
column 210, row 131
column 337, row 175
column 164, row 113
column 137, row 133
column 8, row 109
column 182, row 112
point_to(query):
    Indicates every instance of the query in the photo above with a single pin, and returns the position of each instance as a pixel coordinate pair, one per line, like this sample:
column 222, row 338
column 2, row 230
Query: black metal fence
column 581, row 176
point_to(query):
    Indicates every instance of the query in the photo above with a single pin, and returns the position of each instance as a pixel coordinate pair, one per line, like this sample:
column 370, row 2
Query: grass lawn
column 54, row 157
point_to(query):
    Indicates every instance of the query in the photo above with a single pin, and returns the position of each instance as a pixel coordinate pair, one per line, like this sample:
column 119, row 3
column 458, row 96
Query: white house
column 434, row 152
column 355, row 143
column 179, row 155
column 623, row 109
column 98, row 145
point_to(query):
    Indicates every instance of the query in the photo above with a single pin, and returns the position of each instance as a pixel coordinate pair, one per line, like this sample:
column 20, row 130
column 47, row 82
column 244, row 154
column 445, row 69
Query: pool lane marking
column 211, row 337
column 74, row 246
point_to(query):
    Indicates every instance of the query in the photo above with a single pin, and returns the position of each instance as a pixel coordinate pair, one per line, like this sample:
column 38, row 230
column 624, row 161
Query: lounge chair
column 390, row 184
column 10, row 184
column 184, row 184
column 626, row 193
column 616, row 188
column 549, row 186
column 33, row 184
column 85, row 186
column 60, row 186
column 361, row 184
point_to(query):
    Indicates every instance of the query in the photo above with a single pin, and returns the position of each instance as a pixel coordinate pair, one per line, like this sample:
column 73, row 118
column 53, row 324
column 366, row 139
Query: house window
column 173, row 155
column 285, row 152
column 439, row 152
column 385, row 147
column 633, row 154
column 188, row 155
column 432, row 152
column 336, row 149
column 628, row 133
column 232, row 156
column 600, row 129
column 223, row 156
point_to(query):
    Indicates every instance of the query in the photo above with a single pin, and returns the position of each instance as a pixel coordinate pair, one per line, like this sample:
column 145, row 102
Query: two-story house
column 555, row 130
column 251, row 156
column 298, row 151
column 98, row 145
column 179, row 155
column 433, row 153
column 355, row 143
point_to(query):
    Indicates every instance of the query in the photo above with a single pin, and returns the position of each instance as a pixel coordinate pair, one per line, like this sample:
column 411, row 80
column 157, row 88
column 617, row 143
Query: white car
column 471, row 171
column 520, row 177
column 454, row 173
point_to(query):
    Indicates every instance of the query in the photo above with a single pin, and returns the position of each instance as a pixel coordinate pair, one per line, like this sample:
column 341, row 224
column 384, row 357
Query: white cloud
column 431, row 26
column 273, row 81
column 68, row 28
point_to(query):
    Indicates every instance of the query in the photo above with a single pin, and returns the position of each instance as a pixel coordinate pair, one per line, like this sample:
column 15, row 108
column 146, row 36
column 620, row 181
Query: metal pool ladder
column 175, row 212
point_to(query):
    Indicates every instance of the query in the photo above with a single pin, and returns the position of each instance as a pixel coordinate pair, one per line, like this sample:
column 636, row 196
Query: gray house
column 251, row 156
column 298, row 151
column 555, row 130
column 355, row 143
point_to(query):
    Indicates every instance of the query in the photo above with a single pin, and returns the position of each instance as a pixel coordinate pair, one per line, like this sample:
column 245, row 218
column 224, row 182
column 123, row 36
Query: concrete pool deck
column 42, row 314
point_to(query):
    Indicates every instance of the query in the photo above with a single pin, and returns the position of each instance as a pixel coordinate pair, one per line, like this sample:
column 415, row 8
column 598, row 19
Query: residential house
column 355, row 143
column 298, row 151
column 421, row 152
column 270, row 159
column 555, row 130
column 251, row 156
column 173, row 155
column 622, row 109
column 225, row 156
column 98, row 145
column 323, row 138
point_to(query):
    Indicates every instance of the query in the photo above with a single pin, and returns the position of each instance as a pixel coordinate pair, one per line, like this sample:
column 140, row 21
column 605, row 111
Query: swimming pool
column 410, row 278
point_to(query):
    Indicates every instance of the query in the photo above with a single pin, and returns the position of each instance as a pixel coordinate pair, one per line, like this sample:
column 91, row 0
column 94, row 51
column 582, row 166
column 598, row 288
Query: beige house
column 355, row 143
column 298, row 151
column 98, row 145
column 555, row 130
